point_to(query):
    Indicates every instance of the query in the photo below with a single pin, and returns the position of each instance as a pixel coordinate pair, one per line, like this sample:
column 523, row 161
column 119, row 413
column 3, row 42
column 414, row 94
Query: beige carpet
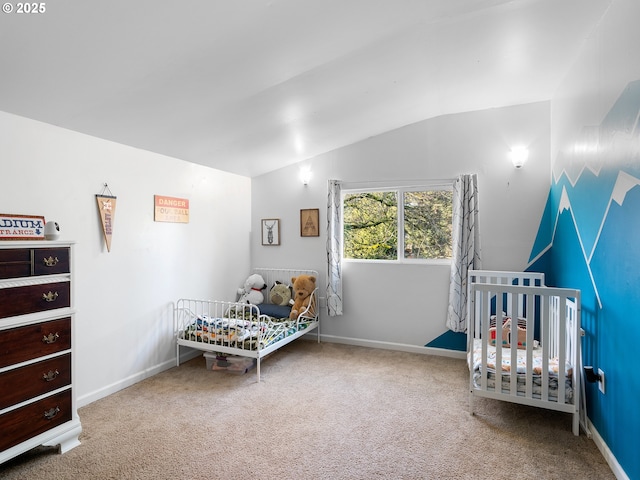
column 322, row 411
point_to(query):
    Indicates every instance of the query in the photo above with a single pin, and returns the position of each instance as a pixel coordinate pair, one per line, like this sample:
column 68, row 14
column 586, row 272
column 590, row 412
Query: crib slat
column 561, row 335
column 530, row 316
column 513, row 341
column 486, row 315
column 546, row 336
column 498, row 342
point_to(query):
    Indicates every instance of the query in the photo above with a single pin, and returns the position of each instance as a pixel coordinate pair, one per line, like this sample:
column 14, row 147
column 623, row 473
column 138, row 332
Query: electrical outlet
column 601, row 381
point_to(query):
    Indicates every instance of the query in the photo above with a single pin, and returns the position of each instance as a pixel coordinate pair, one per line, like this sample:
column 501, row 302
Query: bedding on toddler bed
column 475, row 362
column 237, row 331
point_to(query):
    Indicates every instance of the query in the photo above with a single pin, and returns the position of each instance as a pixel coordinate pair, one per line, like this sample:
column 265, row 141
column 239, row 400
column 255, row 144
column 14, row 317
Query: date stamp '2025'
column 24, row 8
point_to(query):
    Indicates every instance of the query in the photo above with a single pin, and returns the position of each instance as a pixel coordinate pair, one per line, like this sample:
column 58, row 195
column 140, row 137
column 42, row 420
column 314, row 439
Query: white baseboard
column 401, row 347
column 607, row 454
column 135, row 378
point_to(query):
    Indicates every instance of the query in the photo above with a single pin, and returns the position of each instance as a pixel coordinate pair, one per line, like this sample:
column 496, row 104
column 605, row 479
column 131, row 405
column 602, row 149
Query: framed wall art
column 270, row 231
column 21, row 227
column 310, row 222
column 170, row 209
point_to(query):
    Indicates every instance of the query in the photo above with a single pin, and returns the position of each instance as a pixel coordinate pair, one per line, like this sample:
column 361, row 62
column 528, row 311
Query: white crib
column 515, row 320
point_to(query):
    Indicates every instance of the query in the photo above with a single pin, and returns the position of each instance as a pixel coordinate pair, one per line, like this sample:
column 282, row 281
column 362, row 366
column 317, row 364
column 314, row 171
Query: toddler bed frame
column 524, row 342
column 233, row 328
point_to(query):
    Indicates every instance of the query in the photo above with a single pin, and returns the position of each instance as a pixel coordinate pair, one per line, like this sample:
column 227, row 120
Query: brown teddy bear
column 303, row 287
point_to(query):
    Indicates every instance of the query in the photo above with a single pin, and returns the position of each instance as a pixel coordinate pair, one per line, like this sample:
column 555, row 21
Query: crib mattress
column 475, row 362
column 521, row 366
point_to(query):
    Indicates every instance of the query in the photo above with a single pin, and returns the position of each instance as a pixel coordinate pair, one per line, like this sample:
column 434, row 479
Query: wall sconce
column 305, row 175
column 519, row 156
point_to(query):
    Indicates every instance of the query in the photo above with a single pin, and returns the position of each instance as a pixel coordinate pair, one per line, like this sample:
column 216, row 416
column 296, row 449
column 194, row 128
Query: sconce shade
column 305, row 175
column 519, row 156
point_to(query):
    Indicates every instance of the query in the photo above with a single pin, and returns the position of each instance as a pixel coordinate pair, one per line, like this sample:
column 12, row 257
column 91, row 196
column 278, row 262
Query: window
column 398, row 224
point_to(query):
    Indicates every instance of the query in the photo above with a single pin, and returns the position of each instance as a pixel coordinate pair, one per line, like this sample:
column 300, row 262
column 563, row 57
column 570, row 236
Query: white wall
column 607, row 63
column 405, row 306
column 124, row 322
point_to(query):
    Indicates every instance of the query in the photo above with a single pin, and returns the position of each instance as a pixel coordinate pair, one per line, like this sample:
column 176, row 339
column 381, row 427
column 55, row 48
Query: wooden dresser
column 37, row 397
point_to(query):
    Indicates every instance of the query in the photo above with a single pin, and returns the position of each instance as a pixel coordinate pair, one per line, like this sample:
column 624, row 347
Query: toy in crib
column 506, row 332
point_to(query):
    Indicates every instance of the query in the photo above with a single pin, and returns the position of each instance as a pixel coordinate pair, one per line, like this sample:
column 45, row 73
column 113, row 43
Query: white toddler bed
column 529, row 333
column 232, row 328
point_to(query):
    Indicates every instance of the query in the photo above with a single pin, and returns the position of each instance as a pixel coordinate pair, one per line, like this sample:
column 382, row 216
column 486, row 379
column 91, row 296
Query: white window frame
column 422, row 186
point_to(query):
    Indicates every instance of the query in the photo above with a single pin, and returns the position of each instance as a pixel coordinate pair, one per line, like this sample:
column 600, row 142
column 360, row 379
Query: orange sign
column 171, row 209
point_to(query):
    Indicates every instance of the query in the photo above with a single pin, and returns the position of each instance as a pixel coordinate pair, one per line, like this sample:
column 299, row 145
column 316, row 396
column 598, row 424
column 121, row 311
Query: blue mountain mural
column 588, row 239
column 614, row 261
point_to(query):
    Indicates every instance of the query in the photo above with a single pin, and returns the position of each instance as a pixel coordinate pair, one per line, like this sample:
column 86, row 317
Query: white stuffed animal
column 252, row 290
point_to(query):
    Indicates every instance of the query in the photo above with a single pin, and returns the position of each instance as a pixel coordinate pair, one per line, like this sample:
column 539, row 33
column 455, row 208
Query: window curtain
column 334, row 249
column 466, row 248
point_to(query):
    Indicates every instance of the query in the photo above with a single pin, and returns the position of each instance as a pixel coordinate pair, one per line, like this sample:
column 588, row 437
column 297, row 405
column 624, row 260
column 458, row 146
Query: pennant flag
column 107, row 209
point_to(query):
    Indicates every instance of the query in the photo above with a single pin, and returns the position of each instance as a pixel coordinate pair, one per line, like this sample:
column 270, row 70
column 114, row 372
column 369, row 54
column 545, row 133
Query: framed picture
column 21, row 227
column 310, row 222
column 270, row 231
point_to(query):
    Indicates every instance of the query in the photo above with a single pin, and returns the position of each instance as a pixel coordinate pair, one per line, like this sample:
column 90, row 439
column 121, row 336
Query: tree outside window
column 380, row 224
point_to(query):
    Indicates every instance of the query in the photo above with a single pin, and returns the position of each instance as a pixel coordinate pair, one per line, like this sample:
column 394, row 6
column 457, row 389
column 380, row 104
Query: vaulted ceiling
column 249, row 86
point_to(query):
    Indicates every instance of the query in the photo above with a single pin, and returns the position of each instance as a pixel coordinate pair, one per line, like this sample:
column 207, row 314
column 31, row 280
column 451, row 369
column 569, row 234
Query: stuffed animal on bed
column 303, row 287
column 252, row 290
column 280, row 294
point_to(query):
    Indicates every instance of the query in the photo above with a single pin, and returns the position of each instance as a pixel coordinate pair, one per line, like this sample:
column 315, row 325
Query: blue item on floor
column 450, row 341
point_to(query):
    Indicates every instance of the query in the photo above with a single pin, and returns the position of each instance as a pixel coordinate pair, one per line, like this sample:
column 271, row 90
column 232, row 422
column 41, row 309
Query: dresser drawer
column 32, row 341
column 33, row 419
column 34, row 298
column 27, row 262
column 48, row 261
column 15, row 263
column 33, row 380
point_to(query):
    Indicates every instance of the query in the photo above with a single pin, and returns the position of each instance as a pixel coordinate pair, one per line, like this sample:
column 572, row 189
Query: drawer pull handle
column 48, row 377
column 50, row 297
column 50, row 414
column 51, row 261
column 51, row 338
